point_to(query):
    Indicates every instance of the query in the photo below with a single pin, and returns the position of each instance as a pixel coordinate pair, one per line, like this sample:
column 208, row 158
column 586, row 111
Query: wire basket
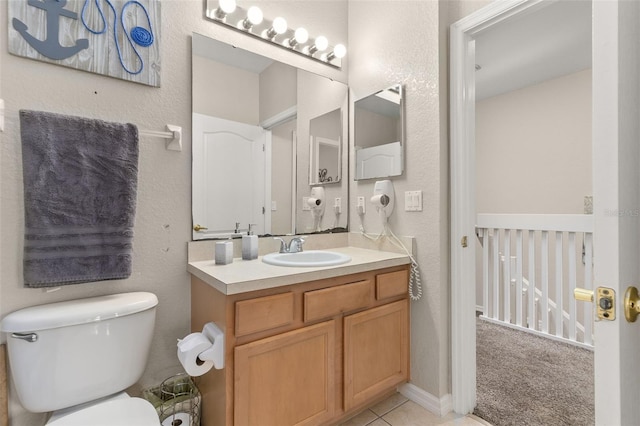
column 177, row 401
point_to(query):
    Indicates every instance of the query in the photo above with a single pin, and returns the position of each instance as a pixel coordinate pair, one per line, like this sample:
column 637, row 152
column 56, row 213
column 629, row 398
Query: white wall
column 533, row 148
column 225, row 91
column 405, row 42
column 163, row 219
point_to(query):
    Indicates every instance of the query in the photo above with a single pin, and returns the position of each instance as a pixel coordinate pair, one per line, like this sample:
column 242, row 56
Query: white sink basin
column 307, row 258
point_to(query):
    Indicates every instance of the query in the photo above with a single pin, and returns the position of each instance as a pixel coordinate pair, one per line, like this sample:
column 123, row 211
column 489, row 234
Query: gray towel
column 80, row 181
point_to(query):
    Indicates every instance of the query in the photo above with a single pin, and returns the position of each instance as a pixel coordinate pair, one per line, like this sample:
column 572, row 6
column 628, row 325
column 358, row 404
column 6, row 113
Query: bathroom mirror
column 252, row 122
column 325, row 147
column 379, row 134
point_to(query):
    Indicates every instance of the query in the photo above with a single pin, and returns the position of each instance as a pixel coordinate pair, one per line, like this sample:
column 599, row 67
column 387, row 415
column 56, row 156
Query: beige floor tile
column 383, row 407
column 362, row 419
column 412, row 414
column 479, row 420
column 379, row 422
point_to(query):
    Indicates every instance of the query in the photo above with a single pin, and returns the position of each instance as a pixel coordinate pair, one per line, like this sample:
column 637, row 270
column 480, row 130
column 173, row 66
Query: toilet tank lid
column 79, row 311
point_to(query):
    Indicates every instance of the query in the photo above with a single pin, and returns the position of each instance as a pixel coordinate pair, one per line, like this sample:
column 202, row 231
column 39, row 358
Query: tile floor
column 399, row 411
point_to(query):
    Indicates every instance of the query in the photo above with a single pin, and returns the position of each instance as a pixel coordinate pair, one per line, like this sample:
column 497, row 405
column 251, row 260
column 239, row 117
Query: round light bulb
column 339, row 51
column 254, row 14
column 280, row 25
column 227, row 6
column 321, row 43
column 301, row 35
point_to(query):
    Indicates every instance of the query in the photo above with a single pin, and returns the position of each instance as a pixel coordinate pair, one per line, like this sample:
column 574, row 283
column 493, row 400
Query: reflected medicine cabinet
column 379, row 134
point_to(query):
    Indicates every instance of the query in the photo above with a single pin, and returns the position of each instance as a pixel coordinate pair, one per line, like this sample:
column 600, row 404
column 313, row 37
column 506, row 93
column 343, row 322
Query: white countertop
column 243, row 276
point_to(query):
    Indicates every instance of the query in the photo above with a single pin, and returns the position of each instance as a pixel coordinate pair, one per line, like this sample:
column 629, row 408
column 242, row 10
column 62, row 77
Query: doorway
column 501, row 58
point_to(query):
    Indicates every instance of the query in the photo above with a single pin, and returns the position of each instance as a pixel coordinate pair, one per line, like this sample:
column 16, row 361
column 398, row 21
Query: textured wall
column 399, row 42
column 163, row 220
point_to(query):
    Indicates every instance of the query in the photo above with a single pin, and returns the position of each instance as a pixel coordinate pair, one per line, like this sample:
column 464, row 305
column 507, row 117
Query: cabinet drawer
column 332, row 301
column 263, row 313
column 392, row 284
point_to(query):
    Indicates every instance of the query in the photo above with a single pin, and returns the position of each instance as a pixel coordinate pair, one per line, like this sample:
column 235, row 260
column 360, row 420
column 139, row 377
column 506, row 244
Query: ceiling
column 549, row 42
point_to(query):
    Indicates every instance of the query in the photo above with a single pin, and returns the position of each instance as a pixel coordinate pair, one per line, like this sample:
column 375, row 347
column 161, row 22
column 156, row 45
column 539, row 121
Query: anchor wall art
column 117, row 38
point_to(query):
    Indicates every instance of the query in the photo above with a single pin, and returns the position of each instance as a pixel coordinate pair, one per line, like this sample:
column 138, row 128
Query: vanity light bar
column 252, row 22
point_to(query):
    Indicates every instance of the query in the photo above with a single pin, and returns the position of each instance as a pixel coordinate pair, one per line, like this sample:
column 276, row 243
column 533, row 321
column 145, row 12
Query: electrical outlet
column 337, row 206
column 305, row 204
column 361, row 208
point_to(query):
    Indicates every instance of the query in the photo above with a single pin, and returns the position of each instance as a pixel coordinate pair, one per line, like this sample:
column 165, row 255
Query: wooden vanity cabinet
column 306, row 354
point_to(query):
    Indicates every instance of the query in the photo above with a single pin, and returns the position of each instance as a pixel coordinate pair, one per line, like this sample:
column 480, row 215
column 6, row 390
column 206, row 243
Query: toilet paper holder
column 216, row 352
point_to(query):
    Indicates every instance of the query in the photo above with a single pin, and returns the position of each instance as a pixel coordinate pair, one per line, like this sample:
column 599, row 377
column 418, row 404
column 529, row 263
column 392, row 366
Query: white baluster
column 559, row 284
column 531, row 292
column 544, row 281
column 519, row 277
column 588, row 284
column 572, row 285
column 496, row 274
column 507, row 275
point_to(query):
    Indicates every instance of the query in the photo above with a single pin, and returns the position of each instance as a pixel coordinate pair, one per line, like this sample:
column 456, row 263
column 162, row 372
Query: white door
column 231, row 177
column 616, row 191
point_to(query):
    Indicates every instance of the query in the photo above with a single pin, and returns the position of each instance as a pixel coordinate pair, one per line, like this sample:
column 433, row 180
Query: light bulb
column 321, row 43
column 339, row 51
column 279, row 26
column 254, row 17
column 225, row 7
column 299, row 37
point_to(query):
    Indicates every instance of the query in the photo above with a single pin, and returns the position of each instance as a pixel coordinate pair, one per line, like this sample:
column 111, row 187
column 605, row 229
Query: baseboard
column 440, row 406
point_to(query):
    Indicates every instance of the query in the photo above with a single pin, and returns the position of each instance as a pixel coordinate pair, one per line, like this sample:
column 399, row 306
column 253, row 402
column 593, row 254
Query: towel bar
column 173, row 133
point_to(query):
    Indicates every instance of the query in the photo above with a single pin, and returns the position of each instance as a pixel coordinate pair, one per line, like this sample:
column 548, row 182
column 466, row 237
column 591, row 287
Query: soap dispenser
column 250, row 245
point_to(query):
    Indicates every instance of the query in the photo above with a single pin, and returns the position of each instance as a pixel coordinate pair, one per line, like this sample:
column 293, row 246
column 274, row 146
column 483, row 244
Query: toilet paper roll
column 182, row 419
column 188, row 350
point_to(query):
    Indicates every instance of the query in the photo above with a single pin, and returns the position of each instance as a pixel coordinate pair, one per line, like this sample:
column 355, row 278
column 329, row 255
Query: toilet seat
column 119, row 411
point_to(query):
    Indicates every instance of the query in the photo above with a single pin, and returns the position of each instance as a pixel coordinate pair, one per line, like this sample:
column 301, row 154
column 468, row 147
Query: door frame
column 463, row 205
column 616, row 178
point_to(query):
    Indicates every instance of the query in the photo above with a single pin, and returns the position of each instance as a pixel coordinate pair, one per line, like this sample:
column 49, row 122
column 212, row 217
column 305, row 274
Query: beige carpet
column 523, row 379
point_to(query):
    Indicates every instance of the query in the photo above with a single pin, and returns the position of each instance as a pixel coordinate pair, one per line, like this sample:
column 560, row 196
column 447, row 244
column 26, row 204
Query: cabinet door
column 286, row 379
column 376, row 351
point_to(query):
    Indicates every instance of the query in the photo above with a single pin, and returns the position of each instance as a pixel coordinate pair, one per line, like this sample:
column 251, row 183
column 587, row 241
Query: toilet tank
column 67, row 353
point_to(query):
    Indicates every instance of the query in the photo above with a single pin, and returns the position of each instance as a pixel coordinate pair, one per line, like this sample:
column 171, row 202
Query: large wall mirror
column 259, row 128
column 379, row 134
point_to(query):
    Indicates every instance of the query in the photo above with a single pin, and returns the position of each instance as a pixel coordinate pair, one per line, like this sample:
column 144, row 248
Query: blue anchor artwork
column 117, row 38
column 50, row 47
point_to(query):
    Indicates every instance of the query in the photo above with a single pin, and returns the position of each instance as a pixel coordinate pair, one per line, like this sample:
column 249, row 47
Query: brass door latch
column 631, row 304
column 199, row 228
column 605, row 299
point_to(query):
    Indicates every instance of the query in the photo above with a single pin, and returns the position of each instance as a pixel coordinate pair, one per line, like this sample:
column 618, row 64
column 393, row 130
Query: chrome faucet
column 294, row 246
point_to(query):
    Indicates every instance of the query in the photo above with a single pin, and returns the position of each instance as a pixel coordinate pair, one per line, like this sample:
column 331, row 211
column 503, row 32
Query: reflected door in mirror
column 228, row 152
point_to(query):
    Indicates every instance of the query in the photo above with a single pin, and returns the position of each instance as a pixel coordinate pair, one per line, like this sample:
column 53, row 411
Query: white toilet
column 76, row 358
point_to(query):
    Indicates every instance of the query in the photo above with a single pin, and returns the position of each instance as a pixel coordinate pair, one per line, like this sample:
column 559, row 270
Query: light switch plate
column 305, row 204
column 413, row 201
